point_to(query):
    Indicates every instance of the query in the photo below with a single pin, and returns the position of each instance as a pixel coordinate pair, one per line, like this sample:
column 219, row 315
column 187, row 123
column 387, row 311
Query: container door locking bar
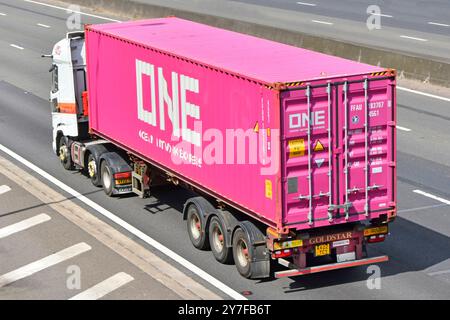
column 330, row 169
column 347, row 204
column 366, row 146
column 308, row 96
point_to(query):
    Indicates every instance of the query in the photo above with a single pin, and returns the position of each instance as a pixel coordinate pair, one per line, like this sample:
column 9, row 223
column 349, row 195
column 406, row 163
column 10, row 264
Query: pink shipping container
column 319, row 131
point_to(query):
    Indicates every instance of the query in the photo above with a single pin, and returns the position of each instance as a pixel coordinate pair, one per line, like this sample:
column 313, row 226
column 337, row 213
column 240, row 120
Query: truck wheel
column 93, row 171
column 107, row 178
column 64, row 154
column 242, row 253
column 196, row 229
column 221, row 252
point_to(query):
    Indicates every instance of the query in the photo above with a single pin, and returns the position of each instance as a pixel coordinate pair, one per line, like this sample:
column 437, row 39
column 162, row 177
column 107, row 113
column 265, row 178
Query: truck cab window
column 54, row 71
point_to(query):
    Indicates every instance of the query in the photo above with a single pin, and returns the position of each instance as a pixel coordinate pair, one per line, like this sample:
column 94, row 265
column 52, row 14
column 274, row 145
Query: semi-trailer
column 291, row 153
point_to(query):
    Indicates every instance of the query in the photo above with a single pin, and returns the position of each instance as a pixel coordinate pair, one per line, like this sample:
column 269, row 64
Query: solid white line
column 2, row 14
column 403, row 129
column 16, row 46
column 424, row 94
column 43, row 263
column 103, row 288
column 439, row 24
column 432, row 196
column 136, row 232
column 23, row 225
column 437, row 273
column 43, row 25
column 307, row 4
column 413, row 38
column 4, row 189
column 71, row 11
column 322, row 22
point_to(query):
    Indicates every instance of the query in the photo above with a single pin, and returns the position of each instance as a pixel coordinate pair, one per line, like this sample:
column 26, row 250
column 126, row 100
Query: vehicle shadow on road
column 44, row 204
column 167, row 196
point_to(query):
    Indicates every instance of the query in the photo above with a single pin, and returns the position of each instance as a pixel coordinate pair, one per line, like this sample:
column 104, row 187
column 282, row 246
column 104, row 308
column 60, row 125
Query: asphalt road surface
column 419, row 244
column 414, row 27
column 432, row 16
column 44, row 255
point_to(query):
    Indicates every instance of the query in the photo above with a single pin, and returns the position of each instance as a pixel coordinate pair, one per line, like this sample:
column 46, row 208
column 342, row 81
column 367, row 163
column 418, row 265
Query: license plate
column 123, row 181
column 376, row 230
column 322, row 250
column 346, row 256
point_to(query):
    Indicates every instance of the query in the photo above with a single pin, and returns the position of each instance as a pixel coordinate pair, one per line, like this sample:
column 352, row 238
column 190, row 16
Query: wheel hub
column 242, row 254
column 92, row 169
column 218, row 239
column 195, row 226
column 63, row 153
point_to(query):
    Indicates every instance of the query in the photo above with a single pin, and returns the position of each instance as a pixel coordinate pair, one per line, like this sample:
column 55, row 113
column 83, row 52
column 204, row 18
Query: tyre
column 242, row 253
column 216, row 233
column 196, row 229
column 64, row 154
column 107, row 178
column 93, row 171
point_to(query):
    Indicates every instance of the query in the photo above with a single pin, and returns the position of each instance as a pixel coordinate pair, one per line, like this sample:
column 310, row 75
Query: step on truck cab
column 292, row 153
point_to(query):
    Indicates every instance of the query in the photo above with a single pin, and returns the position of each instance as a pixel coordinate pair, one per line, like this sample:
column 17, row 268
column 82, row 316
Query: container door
column 309, row 178
column 367, row 165
column 338, row 152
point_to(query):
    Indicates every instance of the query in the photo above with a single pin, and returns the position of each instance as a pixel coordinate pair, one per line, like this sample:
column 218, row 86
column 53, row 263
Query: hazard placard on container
column 319, row 146
column 296, row 148
column 256, row 127
column 268, row 188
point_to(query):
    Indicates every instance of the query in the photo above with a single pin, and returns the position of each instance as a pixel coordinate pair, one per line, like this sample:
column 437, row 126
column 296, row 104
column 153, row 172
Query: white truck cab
column 67, row 96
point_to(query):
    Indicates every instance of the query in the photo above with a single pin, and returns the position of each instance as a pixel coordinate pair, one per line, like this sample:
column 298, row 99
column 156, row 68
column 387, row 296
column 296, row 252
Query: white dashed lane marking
column 43, row 25
column 322, row 22
column 43, row 263
column 439, row 24
column 16, row 46
column 307, row 4
column 23, row 225
column 103, row 288
column 413, row 38
column 4, row 189
column 403, row 128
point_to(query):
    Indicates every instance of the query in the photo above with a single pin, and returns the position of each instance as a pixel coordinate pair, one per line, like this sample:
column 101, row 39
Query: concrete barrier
column 408, row 66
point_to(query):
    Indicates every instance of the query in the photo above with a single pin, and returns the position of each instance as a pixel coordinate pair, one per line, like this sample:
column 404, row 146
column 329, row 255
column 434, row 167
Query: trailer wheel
column 242, row 253
column 64, row 154
column 196, row 229
column 107, row 178
column 217, row 242
column 93, row 171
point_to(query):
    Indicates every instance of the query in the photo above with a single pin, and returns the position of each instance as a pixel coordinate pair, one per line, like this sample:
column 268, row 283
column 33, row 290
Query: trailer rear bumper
column 327, row 267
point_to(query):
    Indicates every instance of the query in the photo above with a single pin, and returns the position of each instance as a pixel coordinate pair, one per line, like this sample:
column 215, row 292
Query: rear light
column 288, row 244
column 282, row 254
column 377, row 238
column 122, row 175
column 84, row 96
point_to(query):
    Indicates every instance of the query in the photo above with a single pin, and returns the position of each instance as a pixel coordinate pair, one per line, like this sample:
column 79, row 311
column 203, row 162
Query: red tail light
column 282, row 254
column 377, row 238
column 122, row 175
column 84, row 96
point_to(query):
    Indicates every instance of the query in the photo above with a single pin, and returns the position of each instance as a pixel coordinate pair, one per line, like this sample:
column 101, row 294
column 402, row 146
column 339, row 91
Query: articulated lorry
column 291, row 153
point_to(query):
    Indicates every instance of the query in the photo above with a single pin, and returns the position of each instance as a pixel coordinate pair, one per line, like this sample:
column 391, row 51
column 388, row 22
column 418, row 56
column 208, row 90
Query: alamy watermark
column 374, row 20
column 73, row 281
column 374, row 280
column 73, row 22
